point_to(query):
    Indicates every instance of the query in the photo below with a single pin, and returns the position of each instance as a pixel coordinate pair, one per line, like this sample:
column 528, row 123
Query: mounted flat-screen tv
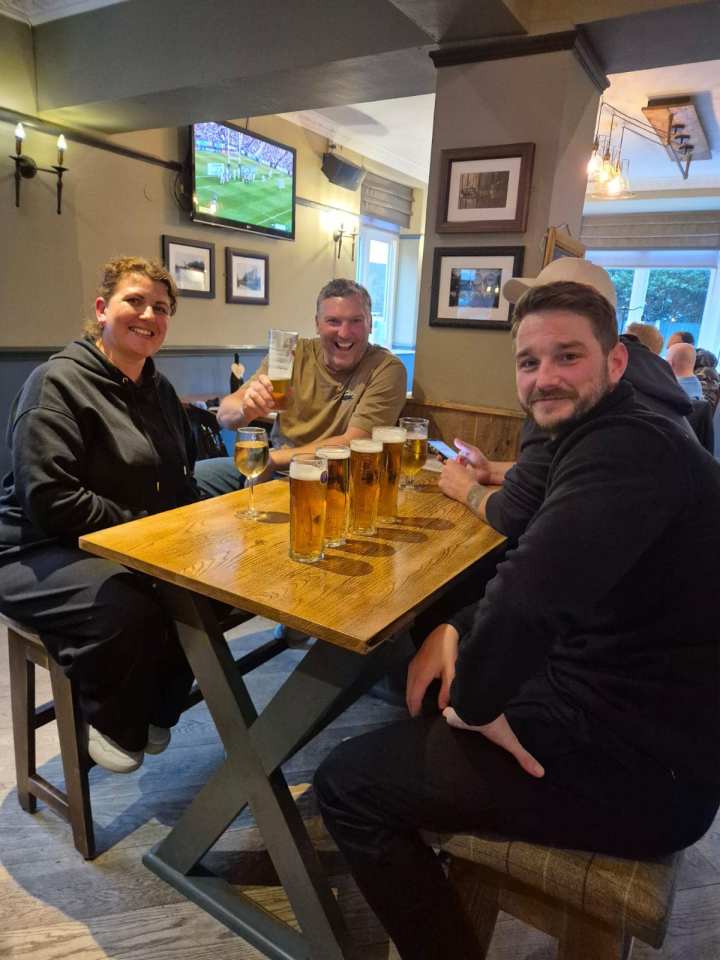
column 242, row 180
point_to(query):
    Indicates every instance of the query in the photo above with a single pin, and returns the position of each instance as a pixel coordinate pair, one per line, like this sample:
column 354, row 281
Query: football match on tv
column 242, row 178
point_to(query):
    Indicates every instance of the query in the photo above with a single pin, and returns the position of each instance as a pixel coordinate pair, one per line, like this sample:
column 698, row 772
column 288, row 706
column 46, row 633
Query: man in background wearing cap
column 507, row 494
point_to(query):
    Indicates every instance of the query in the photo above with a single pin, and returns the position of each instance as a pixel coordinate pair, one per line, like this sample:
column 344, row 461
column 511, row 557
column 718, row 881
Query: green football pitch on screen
column 243, row 190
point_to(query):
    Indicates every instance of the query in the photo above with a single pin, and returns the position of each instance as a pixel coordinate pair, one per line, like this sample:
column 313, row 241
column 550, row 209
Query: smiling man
column 342, row 386
column 579, row 702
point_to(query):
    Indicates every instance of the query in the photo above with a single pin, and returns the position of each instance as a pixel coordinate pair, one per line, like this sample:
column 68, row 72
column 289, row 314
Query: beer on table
column 251, row 458
column 365, row 457
column 337, row 501
column 392, row 439
column 415, row 447
column 280, row 364
column 308, row 486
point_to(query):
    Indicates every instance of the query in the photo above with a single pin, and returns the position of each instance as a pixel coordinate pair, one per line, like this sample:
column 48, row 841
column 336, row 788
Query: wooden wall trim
column 469, row 408
column 495, row 431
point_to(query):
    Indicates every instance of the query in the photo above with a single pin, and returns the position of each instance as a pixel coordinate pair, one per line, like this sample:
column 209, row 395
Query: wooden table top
column 359, row 594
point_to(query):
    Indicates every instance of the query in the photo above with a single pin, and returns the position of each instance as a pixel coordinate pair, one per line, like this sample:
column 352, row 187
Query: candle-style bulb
column 19, row 137
column 61, row 148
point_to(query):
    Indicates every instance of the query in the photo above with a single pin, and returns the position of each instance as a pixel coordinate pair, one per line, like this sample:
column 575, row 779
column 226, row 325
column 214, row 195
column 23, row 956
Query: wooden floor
column 54, row 906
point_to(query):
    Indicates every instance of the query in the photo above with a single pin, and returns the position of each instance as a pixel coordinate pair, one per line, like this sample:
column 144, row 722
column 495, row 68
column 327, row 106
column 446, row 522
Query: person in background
column 707, row 373
column 681, row 357
column 579, row 702
column 647, row 334
column 342, row 386
column 99, row 437
column 681, row 336
column 507, row 494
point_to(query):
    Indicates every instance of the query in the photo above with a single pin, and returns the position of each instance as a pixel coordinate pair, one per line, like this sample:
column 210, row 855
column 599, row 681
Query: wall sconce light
column 26, row 168
column 341, row 234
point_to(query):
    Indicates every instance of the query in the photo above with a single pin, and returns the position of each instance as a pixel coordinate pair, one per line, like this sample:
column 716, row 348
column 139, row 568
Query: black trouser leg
column 377, row 791
column 106, row 628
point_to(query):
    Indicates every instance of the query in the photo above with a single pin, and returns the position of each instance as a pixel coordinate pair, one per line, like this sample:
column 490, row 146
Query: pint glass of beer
column 337, row 501
column 308, row 485
column 280, row 364
column 365, row 456
column 392, row 439
column 415, row 447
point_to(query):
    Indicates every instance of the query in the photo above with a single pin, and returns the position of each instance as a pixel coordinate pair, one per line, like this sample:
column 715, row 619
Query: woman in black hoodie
column 99, row 437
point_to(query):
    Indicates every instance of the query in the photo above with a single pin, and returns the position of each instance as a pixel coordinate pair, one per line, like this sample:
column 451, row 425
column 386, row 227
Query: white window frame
column 642, row 261
column 367, row 234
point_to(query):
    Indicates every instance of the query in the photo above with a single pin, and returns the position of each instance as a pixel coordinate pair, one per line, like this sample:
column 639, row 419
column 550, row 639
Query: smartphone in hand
column 442, row 450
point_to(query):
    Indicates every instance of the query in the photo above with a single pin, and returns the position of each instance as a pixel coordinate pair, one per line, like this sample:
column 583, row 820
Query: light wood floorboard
column 54, row 906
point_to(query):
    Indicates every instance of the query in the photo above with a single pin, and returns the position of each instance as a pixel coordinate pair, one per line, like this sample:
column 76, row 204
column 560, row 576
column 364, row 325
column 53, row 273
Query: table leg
column 256, row 747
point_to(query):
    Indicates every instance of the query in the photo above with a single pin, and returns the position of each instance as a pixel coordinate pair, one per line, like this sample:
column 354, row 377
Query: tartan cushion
column 633, row 895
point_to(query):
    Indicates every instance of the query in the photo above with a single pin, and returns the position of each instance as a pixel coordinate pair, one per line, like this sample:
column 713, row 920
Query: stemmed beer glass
column 251, row 458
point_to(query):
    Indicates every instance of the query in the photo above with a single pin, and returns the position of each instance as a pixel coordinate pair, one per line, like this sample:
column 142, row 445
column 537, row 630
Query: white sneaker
column 110, row 755
column 158, row 739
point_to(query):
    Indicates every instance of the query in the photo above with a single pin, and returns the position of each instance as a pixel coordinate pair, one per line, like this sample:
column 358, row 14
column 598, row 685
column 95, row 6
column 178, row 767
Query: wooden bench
column 593, row 904
column 26, row 651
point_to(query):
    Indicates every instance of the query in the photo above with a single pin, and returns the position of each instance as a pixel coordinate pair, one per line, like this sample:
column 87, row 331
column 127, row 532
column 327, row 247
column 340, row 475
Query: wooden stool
column 26, row 652
column 593, row 904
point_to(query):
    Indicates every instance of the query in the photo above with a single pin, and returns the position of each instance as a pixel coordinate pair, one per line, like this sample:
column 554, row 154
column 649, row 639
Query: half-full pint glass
column 365, row 456
column 308, row 484
column 280, row 364
column 337, row 501
column 415, row 447
column 392, row 439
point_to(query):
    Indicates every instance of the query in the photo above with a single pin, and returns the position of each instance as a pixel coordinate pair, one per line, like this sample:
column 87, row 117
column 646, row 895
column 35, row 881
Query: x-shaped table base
column 325, row 682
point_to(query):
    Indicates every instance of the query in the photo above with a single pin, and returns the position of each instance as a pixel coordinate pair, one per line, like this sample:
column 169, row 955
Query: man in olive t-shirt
column 342, row 386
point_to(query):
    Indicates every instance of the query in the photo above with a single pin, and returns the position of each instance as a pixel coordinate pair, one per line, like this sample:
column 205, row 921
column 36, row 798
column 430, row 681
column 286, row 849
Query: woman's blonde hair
column 119, row 267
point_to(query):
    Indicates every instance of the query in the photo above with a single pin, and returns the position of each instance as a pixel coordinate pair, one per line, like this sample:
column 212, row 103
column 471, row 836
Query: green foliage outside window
column 676, row 299
column 623, row 280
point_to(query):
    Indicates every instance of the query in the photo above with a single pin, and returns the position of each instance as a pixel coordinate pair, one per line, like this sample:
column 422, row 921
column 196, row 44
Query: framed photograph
column 467, row 286
column 559, row 243
column 192, row 264
column 485, row 189
column 247, row 277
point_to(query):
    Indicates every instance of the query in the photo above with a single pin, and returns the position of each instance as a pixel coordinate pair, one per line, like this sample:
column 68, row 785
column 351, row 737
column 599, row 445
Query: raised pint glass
column 337, row 501
column 415, row 447
column 308, row 485
column 392, row 439
column 280, row 364
column 365, row 456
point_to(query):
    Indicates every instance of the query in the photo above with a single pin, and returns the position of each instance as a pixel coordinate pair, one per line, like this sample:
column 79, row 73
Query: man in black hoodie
column 580, row 700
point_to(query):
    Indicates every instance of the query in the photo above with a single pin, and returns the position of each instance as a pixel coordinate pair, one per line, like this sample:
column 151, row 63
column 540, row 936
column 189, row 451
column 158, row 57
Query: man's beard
column 582, row 405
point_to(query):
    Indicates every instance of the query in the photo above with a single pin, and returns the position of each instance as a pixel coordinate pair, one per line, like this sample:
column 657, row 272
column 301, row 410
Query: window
column 377, row 270
column 671, row 289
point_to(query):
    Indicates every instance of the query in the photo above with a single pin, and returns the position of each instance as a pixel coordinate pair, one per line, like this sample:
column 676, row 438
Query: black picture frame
column 193, row 272
column 247, row 277
column 501, row 175
column 456, row 302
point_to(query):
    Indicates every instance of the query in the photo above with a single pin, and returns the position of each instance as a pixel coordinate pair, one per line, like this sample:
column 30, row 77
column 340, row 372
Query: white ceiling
column 399, row 132
column 41, row 11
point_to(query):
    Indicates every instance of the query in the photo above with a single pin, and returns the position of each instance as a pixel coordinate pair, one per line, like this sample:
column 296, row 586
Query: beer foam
column 333, row 453
column 305, row 471
column 366, row 446
column 390, row 434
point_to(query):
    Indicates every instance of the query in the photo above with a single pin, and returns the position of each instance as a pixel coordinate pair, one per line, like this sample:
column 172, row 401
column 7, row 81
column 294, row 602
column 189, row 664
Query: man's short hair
column 646, row 334
column 681, row 336
column 341, row 287
column 574, row 298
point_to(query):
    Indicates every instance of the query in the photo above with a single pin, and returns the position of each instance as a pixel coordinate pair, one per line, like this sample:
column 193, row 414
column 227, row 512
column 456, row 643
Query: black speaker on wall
column 342, row 172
